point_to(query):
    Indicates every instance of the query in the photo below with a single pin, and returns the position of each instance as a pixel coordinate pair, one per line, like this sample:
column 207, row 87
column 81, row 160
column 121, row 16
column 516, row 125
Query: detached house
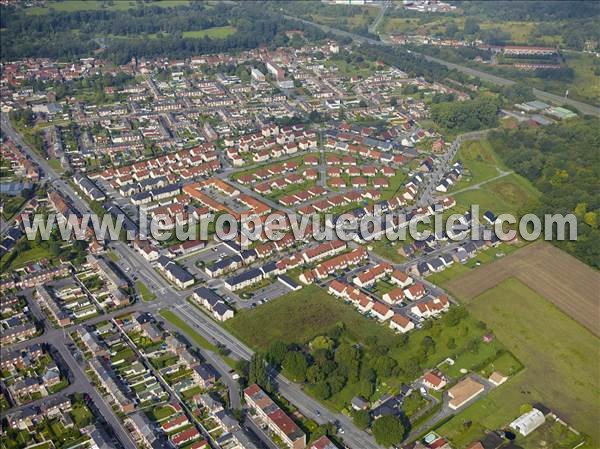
column 401, row 323
column 415, row 292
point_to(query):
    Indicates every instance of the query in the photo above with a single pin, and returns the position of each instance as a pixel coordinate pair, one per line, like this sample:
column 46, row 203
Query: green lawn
column 175, row 320
column 480, row 163
column 11, row 205
column 291, row 190
column 389, row 250
column 299, row 317
column 510, row 194
column 160, row 412
column 556, row 352
column 551, row 434
column 214, row 32
column 395, row 182
column 146, row 294
column 56, row 165
column 96, row 5
column 31, row 255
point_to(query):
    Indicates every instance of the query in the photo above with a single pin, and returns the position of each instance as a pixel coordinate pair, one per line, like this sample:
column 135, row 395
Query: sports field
column 560, row 278
column 560, row 359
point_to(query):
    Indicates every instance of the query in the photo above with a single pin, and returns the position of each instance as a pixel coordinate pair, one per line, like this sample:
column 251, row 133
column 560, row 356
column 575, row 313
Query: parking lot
column 265, row 294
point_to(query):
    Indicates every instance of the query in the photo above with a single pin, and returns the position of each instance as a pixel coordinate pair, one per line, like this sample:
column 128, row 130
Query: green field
column 510, row 193
column 480, row 163
column 520, row 31
column 586, row 83
column 389, row 250
column 556, row 352
column 214, row 32
column 300, row 316
column 97, row 5
column 146, row 294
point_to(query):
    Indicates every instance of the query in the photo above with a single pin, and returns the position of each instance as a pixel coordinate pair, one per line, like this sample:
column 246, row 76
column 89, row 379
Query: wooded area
column 563, row 162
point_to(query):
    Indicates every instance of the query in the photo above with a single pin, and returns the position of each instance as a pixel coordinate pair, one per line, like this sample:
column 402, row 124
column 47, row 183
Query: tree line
column 563, row 162
column 148, row 31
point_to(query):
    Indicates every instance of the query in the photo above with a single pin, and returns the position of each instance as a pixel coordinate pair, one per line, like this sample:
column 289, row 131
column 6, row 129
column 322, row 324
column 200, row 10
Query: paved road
column 354, row 438
column 79, row 382
column 375, row 24
column 217, row 362
column 540, row 94
column 168, row 296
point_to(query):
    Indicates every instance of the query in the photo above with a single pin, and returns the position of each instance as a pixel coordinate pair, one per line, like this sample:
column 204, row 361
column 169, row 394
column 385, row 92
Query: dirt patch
column 565, row 281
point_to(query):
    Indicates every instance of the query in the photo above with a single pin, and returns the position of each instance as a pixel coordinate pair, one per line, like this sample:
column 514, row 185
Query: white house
column 401, row 323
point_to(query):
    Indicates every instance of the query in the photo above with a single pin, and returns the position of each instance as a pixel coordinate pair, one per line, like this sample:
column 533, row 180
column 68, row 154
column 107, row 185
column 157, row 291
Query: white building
column 527, row 423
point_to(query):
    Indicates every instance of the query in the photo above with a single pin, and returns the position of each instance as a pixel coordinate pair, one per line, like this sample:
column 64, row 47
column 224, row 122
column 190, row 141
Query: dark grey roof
column 225, row 263
column 208, row 295
column 288, row 281
column 178, row 272
column 269, row 267
column 252, row 273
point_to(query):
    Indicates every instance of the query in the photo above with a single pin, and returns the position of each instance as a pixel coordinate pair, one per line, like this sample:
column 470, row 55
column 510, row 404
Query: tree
column 388, row 430
column 295, row 365
column 346, row 354
column 471, row 26
column 258, row 372
column 455, row 315
column 276, row 353
column 361, row 419
column 473, row 345
column 321, row 342
column 315, row 374
column 428, row 344
column 321, row 390
column 591, row 219
column 451, row 29
column 336, row 383
column 384, row 366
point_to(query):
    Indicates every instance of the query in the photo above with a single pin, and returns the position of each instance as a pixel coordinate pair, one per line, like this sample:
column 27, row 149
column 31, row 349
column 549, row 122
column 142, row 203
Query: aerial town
column 439, row 338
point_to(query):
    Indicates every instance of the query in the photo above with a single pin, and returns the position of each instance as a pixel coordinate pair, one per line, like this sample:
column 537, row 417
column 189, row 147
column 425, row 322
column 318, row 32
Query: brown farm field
column 568, row 283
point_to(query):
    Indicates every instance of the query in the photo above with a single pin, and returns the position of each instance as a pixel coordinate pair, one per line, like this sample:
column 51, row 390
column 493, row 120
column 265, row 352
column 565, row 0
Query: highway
column 584, row 108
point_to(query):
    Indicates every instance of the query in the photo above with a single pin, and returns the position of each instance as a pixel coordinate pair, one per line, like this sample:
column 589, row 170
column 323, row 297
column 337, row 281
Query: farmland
column 566, row 282
column 550, row 345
